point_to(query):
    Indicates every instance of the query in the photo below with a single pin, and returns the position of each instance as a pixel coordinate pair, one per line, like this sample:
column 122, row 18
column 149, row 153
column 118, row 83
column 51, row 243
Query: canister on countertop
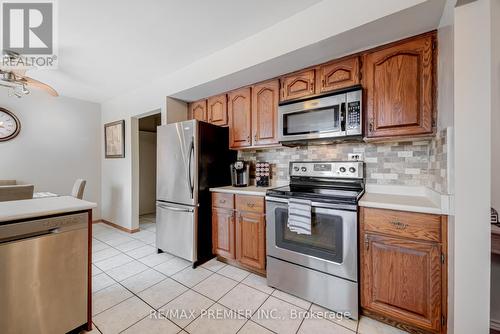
column 262, row 173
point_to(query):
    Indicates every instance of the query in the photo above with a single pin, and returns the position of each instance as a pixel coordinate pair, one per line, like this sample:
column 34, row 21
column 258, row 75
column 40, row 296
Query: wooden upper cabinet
column 265, row 99
column 198, row 110
column 217, row 110
column 337, row 74
column 297, row 85
column 240, row 118
column 398, row 82
column 402, row 280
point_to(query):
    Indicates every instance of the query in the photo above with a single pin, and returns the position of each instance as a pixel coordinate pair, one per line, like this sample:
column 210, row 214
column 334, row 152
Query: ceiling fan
column 16, row 80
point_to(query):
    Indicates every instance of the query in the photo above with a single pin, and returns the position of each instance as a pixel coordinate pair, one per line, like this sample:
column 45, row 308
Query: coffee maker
column 240, row 173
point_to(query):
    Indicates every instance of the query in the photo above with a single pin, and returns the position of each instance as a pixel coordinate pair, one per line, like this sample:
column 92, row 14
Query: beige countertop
column 39, row 207
column 405, row 198
column 250, row 190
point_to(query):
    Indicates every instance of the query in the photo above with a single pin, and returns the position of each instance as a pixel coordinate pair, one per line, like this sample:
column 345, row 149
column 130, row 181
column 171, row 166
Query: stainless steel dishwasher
column 44, row 274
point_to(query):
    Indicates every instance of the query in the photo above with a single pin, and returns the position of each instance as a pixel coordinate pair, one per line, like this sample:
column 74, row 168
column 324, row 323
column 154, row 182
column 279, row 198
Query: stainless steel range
column 320, row 265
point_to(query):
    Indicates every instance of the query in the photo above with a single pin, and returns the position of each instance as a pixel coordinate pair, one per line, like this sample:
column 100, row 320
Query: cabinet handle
column 222, row 201
column 251, row 205
column 248, row 138
column 367, row 242
column 399, row 225
column 255, row 138
column 371, row 126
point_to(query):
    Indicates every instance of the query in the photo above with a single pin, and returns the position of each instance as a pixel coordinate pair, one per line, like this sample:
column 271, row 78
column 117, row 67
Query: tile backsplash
column 416, row 162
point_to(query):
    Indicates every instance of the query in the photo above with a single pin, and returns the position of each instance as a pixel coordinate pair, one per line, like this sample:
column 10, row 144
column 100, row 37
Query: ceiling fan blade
column 38, row 84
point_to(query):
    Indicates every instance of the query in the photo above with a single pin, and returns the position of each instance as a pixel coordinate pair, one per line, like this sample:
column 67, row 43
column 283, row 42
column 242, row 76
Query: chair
column 8, row 182
column 78, row 188
column 16, row 192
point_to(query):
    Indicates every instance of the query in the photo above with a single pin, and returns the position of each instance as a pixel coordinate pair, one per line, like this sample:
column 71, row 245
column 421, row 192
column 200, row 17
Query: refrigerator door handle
column 173, row 208
column 190, row 176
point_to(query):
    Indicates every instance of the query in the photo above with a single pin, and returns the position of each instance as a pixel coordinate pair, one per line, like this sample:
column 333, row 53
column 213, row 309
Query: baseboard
column 495, row 324
column 121, row 228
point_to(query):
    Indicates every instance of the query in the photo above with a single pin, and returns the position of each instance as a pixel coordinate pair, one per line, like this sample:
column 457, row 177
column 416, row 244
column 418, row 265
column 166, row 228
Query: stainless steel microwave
column 330, row 117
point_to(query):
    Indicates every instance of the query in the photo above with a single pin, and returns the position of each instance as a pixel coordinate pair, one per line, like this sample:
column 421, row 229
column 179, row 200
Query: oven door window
column 312, row 121
column 325, row 241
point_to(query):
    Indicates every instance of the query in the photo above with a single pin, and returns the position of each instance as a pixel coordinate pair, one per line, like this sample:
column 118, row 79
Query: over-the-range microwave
column 333, row 117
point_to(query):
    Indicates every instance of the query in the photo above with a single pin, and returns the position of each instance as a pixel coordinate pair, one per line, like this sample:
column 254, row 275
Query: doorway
column 147, row 171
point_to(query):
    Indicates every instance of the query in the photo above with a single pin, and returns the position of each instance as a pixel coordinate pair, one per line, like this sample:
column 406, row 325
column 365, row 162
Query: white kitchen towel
column 299, row 216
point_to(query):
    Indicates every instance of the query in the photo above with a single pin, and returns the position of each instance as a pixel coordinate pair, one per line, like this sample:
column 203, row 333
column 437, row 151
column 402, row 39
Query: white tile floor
column 131, row 282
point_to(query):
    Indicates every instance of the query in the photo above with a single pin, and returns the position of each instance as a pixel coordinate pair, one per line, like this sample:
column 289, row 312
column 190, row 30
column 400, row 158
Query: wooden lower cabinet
column 403, row 278
column 239, row 231
column 250, row 239
column 223, row 232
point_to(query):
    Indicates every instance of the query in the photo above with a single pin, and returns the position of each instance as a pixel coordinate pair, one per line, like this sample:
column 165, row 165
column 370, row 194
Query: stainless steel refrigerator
column 192, row 156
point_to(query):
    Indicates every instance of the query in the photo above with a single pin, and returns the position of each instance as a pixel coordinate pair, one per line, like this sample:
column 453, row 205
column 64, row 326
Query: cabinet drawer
column 250, row 203
column 412, row 225
column 222, row 200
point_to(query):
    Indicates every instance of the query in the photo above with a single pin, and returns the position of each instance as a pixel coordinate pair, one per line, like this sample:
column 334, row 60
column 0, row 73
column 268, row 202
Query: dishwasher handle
column 44, row 226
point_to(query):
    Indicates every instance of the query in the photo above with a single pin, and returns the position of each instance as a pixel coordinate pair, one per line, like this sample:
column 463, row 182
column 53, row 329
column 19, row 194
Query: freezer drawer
column 176, row 230
column 44, row 275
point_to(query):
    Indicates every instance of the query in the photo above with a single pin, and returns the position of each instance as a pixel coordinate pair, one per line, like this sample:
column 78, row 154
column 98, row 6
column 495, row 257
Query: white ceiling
column 107, row 47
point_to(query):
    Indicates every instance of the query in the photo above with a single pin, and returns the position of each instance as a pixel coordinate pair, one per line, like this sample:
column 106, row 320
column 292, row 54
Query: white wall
column 147, row 172
column 471, row 246
column 177, row 110
column 59, row 142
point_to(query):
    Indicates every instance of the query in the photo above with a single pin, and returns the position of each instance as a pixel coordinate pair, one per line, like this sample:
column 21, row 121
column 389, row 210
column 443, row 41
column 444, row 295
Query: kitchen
column 323, row 189
column 251, row 226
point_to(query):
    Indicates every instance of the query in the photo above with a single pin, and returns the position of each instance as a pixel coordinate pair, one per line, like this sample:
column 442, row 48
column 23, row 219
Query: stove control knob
column 304, row 169
column 352, row 169
column 342, row 169
column 296, row 169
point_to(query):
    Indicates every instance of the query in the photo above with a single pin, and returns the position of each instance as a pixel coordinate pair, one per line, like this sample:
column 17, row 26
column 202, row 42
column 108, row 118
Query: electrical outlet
column 355, row 157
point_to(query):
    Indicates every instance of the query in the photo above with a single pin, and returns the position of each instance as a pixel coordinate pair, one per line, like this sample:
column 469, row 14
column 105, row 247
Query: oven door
column 313, row 119
column 331, row 247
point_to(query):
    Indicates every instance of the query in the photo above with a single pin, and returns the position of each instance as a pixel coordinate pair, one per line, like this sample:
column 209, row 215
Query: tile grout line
column 212, row 272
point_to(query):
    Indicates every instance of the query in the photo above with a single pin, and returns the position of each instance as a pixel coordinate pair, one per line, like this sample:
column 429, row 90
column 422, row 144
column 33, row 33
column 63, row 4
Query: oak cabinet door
column 223, row 233
column 338, row 74
column 240, row 118
column 399, row 89
column 250, row 239
column 265, row 99
column 198, row 110
column 401, row 279
column 297, row 85
column 217, row 110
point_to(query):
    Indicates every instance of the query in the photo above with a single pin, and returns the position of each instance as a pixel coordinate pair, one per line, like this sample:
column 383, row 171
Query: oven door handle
column 320, row 205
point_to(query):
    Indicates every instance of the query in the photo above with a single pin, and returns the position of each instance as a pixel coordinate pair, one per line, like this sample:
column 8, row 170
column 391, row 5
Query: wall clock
column 9, row 125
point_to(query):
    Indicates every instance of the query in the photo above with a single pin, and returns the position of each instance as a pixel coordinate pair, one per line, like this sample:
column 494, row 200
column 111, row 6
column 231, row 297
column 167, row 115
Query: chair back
column 16, row 192
column 78, row 188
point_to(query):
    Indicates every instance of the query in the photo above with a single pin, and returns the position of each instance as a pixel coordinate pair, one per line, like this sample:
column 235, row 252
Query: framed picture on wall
column 114, row 139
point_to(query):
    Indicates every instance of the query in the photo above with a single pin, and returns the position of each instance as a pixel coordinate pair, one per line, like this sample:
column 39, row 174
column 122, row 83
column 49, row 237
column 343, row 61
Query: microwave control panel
column 353, row 115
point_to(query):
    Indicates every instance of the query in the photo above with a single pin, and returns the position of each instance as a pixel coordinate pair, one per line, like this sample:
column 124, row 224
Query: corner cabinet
column 238, row 230
column 198, row 110
column 403, row 268
column 265, row 99
column 217, row 110
column 240, row 118
column 399, row 88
